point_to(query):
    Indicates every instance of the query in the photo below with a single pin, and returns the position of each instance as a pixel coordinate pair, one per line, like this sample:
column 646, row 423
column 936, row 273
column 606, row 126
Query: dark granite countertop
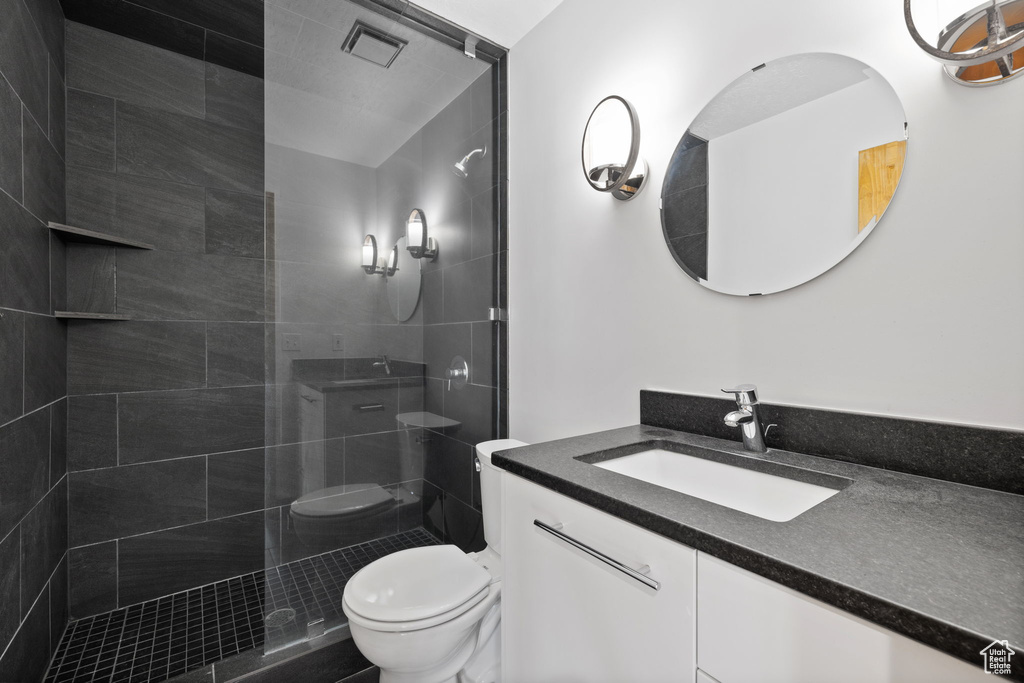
column 939, row 562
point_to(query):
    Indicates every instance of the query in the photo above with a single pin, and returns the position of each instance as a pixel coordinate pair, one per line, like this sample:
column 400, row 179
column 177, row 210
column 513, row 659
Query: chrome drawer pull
column 628, row 571
column 370, row 407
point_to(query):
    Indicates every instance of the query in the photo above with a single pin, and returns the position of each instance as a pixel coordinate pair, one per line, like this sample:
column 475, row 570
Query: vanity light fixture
column 421, row 245
column 370, row 262
column 611, row 149
column 982, row 46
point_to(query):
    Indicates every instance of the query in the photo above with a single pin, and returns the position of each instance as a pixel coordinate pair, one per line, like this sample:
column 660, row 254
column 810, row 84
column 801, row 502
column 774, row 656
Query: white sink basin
column 765, row 495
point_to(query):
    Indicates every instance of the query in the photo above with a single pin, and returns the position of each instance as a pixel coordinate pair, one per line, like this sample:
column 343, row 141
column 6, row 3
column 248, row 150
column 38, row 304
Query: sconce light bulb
column 416, row 234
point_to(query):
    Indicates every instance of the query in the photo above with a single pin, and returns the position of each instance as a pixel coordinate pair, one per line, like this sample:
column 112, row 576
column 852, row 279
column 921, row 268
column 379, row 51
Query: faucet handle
column 746, row 394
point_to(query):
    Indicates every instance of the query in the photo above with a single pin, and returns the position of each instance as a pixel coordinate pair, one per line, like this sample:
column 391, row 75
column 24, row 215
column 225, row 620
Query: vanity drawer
column 361, row 411
column 569, row 616
column 752, row 630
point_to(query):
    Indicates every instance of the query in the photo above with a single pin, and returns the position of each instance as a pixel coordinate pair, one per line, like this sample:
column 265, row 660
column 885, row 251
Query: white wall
column 925, row 319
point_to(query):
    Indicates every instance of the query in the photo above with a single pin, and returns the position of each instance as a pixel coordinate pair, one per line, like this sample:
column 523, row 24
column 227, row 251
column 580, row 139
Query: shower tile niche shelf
column 91, row 256
column 84, row 315
column 70, row 233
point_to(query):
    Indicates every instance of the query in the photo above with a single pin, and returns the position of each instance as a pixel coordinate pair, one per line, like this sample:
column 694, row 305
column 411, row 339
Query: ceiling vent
column 373, row 45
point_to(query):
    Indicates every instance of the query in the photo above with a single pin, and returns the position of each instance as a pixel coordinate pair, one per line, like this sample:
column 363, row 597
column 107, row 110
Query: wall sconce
column 370, row 262
column 611, row 149
column 982, row 46
column 421, row 245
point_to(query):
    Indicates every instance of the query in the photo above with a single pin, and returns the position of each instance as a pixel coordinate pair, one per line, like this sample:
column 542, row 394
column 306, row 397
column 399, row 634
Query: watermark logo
column 997, row 658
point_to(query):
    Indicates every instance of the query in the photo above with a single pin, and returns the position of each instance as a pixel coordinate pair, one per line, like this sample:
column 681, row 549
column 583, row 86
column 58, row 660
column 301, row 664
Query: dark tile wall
column 165, row 419
column 33, row 344
column 227, row 33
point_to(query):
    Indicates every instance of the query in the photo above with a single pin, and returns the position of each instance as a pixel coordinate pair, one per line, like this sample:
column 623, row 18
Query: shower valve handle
column 457, row 372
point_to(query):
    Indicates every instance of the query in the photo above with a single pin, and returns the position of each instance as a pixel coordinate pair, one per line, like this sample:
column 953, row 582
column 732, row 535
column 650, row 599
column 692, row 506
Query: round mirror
column 785, row 172
column 403, row 278
column 611, row 149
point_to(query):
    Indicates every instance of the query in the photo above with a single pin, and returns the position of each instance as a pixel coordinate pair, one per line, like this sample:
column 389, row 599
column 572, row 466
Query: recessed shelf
column 79, row 315
column 69, row 233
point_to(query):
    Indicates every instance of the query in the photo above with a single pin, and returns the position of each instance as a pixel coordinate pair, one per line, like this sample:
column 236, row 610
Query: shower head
column 460, row 167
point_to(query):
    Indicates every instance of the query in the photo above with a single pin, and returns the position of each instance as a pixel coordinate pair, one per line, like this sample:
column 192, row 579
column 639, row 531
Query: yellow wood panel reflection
column 880, row 170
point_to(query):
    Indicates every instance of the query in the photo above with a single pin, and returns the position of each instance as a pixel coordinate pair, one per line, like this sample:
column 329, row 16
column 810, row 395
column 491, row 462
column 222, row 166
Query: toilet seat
column 480, row 599
column 434, row 585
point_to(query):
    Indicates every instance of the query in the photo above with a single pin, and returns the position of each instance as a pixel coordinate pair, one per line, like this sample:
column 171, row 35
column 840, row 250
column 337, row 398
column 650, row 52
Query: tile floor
column 163, row 638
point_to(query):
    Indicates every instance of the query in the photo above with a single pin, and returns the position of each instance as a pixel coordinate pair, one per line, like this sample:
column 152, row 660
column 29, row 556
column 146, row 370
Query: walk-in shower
column 253, row 414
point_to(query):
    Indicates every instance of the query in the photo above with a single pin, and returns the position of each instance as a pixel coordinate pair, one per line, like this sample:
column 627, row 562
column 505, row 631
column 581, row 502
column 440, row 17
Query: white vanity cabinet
column 568, row 617
column 752, row 630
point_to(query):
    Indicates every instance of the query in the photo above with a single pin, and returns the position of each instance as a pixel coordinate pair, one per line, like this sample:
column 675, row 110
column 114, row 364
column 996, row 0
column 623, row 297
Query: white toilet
column 433, row 615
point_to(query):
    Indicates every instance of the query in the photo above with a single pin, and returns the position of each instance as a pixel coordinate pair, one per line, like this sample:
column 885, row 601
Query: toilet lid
column 350, row 499
column 417, row 584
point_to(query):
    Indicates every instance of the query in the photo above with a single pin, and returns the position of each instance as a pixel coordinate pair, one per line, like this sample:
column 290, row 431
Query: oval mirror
column 783, row 174
column 611, row 149
column 403, row 281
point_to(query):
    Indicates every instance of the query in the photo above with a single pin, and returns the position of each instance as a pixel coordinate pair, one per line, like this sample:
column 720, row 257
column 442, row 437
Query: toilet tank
column 490, row 489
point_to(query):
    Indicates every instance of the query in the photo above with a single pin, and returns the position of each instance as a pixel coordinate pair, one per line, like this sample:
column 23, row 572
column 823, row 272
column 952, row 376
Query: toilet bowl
column 341, row 516
column 433, row 615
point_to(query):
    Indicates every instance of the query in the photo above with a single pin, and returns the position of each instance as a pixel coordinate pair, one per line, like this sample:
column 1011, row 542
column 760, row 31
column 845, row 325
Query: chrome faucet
column 747, row 418
column 383, row 362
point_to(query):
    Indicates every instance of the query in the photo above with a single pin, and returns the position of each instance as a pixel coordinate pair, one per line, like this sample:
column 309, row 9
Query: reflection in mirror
column 403, row 281
column 611, row 149
column 783, row 174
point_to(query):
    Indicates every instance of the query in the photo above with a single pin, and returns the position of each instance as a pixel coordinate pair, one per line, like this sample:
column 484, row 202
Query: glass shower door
column 372, row 119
